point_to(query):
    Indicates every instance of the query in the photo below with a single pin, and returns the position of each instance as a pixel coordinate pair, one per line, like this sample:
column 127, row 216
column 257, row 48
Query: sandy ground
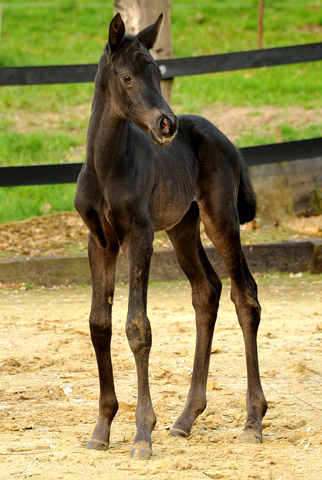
column 49, row 387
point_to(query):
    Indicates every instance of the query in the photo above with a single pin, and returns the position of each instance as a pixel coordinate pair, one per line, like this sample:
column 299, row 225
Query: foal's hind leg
column 220, row 217
column 102, row 263
column 206, row 289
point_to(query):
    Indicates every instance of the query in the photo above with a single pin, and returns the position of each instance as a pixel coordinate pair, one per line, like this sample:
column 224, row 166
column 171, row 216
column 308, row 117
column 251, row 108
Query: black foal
column 147, row 170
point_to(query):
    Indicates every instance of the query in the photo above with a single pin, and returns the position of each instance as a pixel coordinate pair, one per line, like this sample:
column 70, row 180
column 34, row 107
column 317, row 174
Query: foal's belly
column 167, row 211
column 174, row 187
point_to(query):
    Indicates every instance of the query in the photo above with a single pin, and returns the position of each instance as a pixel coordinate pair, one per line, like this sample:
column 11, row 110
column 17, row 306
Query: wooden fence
column 257, row 155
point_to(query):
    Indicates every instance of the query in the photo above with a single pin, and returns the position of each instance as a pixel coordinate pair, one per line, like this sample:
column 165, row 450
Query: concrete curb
column 302, row 256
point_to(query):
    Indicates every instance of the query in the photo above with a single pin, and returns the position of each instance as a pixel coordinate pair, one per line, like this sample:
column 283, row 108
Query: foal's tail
column 246, row 200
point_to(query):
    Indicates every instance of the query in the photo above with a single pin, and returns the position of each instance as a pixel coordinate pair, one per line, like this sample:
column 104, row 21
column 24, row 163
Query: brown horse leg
column 206, row 289
column 138, row 249
column 102, row 263
column 222, row 227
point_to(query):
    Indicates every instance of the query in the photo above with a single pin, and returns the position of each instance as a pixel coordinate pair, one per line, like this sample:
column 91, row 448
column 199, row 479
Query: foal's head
column 134, row 81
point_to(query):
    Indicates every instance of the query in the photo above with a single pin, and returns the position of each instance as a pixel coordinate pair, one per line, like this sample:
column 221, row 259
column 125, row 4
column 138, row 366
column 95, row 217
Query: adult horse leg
column 206, row 290
column 220, row 217
column 103, row 262
column 138, row 250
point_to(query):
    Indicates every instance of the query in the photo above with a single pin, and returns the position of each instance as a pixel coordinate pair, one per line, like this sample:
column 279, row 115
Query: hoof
column 176, row 432
column 97, row 445
column 141, row 451
column 249, row 436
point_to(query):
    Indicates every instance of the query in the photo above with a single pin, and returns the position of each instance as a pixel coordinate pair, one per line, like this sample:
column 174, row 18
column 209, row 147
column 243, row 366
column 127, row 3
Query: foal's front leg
column 139, row 250
column 103, row 263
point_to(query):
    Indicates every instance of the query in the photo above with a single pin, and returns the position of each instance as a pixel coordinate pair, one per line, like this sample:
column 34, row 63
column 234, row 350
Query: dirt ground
column 49, row 387
column 64, row 234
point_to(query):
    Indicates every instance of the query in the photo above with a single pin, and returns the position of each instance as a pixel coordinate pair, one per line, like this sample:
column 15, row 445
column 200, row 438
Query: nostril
column 165, row 125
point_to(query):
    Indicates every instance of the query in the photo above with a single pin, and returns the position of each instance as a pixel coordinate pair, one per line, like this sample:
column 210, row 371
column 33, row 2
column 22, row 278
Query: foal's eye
column 126, row 79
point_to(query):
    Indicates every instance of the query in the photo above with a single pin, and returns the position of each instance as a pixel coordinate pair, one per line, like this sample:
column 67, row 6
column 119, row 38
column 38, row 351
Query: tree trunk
column 138, row 14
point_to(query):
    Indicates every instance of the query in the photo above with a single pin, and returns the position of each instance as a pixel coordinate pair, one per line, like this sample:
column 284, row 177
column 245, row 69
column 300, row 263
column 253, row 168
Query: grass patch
column 282, row 133
column 33, row 148
column 45, row 98
column 279, row 86
column 19, row 203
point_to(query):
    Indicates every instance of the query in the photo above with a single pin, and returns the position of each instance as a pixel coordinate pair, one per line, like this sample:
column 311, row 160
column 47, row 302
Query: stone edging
column 267, row 257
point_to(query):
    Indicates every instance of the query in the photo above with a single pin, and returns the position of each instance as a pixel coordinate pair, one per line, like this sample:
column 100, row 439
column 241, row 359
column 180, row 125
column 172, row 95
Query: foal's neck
column 107, row 131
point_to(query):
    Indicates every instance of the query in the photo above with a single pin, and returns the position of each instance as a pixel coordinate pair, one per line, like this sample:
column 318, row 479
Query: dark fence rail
column 68, row 172
column 257, row 155
column 171, row 68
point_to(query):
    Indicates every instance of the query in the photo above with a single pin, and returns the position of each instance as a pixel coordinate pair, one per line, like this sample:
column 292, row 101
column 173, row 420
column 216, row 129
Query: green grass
column 71, row 32
column 285, row 133
column 19, row 203
column 33, row 148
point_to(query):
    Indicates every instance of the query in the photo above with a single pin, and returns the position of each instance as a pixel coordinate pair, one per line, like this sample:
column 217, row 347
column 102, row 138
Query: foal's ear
column 149, row 35
column 116, row 34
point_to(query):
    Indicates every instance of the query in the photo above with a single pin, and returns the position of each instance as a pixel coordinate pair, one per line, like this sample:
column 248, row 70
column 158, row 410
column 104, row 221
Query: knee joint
column 138, row 332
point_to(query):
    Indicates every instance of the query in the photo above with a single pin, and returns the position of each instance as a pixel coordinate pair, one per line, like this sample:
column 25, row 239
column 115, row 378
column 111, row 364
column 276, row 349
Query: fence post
column 260, row 23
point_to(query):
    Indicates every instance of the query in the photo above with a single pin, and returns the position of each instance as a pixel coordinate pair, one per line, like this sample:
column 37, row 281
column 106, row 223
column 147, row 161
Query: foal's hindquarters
column 224, row 199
